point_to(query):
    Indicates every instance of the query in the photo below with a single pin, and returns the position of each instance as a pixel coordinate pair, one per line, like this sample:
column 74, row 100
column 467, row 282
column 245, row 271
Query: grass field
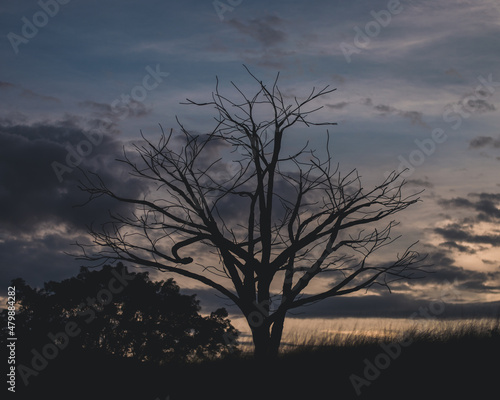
column 443, row 361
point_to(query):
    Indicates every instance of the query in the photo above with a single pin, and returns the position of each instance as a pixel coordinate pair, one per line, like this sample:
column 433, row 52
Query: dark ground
column 457, row 368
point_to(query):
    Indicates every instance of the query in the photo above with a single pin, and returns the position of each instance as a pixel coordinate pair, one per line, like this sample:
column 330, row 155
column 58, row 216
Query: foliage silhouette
column 144, row 320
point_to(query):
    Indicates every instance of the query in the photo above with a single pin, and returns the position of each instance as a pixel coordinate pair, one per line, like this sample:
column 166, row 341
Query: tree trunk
column 261, row 341
column 266, row 341
column 276, row 334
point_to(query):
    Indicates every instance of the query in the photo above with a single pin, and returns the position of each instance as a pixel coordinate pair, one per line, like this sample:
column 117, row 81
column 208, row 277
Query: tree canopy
column 122, row 313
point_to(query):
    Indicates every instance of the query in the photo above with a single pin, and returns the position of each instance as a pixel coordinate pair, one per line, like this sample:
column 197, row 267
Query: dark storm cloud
column 30, row 192
column 38, row 217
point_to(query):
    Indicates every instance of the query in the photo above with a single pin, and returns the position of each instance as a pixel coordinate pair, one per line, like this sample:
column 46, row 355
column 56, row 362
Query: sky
column 417, row 87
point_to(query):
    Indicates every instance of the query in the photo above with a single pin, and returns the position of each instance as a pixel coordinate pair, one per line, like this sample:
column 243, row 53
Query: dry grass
column 435, row 332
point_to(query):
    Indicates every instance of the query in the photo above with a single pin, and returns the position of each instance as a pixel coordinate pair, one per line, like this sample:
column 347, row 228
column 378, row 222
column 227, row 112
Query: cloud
column 272, row 50
column 480, row 106
column 384, row 109
column 486, row 205
column 338, row 106
column 393, row 305
column 484, row 141
column 456, row 202
column 38, row 217
column 133, row 108
column 453, row 232
column 474, row 102
column 444, row 269
column 37, row 261
column 31, row 94
column 5, row 85
column 367, row 101
column 415, row 117
column 28, row 93
column 31, row 195
column 453, row 72
column 404, row 300
column 459, row 247
column 263, row 29
column 420, row 182
column 487, row 196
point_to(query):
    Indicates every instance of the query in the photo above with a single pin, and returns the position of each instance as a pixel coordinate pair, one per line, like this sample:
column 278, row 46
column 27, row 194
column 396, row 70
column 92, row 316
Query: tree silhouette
column 137, row 318
column 274, row 218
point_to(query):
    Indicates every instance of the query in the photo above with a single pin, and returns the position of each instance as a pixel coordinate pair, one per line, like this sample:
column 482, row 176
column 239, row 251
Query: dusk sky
column 418, row 87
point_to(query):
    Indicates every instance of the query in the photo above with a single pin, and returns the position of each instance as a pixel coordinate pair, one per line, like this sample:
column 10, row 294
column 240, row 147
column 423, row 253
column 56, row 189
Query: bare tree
column 275, row 221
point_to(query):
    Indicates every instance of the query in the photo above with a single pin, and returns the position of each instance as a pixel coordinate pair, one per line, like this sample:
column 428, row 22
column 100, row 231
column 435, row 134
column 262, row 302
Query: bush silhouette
column 124, row 314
